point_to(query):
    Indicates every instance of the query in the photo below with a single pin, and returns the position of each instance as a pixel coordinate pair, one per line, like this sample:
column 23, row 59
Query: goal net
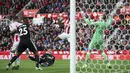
column 116, row 37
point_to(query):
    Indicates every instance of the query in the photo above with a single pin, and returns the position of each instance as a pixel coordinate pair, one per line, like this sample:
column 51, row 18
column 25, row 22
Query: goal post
column 115, row 39
column 72, row 37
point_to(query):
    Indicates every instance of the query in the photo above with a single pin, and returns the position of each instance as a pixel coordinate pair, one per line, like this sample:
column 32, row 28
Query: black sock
column 31, row 58
column 12, row 60
column 37, row 60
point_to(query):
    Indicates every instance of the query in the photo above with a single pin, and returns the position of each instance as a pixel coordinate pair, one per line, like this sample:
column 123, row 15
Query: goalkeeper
column 98, row 37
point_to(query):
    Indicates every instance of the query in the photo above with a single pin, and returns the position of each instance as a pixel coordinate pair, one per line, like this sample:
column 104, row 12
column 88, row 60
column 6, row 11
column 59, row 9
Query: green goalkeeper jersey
column 97, row 41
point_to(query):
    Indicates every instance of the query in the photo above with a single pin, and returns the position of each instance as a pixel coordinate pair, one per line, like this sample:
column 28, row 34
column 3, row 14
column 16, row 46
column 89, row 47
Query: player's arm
column 31, row 29
column 60, row 23
column 12, row 30
column 89, row 21
column 110, row 17
column 109, row 20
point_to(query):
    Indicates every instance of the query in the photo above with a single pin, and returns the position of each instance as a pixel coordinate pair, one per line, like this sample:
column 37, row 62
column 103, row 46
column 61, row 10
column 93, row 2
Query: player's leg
column 57, row 39
column 68, row 37
column 13, row 64
column 33, row 48
column 37, row 60
column 90, row 47
column 27, row 52
column 13, row 50
column 13, row 59
column 86, row 59
column 100, row 47
column 60, row 37
column 105, row 58
column 18, row 62
column 18, row 59
column 30, row 57
column 20, row 49
column 104, row 55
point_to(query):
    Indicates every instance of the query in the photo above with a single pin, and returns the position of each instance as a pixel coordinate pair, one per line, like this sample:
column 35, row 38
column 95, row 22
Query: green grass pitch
column 62, row 66
column 27, row 66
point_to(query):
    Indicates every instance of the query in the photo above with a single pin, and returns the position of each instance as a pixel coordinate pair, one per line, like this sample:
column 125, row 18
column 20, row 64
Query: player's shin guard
column 37, row 60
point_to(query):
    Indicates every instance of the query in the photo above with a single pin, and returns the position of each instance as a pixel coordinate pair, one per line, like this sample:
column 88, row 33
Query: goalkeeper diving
column 97, row 41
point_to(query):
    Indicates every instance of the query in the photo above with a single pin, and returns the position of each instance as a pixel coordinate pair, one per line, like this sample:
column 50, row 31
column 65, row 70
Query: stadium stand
column 49, row 31
column 12, row 7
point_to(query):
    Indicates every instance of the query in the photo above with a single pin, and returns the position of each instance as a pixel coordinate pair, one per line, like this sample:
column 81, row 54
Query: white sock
column 18, row 60
column 12, row 55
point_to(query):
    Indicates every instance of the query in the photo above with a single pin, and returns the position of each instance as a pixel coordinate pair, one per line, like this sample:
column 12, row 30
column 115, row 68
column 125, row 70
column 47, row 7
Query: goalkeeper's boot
column 38, row 68
column 108, row 64
column 7, row 67
column 84, row 66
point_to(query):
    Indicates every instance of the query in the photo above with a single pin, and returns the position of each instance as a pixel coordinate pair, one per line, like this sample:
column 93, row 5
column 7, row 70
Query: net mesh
column 116, row 37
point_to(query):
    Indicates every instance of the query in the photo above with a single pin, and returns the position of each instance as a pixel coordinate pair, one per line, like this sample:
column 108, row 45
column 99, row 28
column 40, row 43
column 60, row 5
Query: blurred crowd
column 49, row 29
column 12, row 7
column 44, row 40
column 50, row 6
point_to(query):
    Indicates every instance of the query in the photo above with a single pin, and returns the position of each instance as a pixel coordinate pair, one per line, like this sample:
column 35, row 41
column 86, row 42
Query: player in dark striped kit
column 25, row 42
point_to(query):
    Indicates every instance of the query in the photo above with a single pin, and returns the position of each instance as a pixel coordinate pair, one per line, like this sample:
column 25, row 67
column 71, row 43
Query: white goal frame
column 72, row 36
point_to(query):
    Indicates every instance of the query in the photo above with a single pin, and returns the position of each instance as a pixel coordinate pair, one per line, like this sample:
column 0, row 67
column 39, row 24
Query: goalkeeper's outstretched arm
column 108, row 21
column 89, row 21
column 110, row 17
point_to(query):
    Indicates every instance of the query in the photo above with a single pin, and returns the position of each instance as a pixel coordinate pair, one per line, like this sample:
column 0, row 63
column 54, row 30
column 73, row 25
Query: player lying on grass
column 97, row 41
column 45, row 60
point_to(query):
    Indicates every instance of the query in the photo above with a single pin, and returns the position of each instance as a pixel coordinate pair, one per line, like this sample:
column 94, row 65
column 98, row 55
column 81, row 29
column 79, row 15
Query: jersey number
column 23, row 31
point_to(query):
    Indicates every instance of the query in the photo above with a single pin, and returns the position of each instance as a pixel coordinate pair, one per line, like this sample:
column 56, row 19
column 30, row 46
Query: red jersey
column 66, row 26
column 12, row 26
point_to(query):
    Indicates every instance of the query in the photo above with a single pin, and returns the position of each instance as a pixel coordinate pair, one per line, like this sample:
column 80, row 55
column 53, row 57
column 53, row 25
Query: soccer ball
column 119, row 4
